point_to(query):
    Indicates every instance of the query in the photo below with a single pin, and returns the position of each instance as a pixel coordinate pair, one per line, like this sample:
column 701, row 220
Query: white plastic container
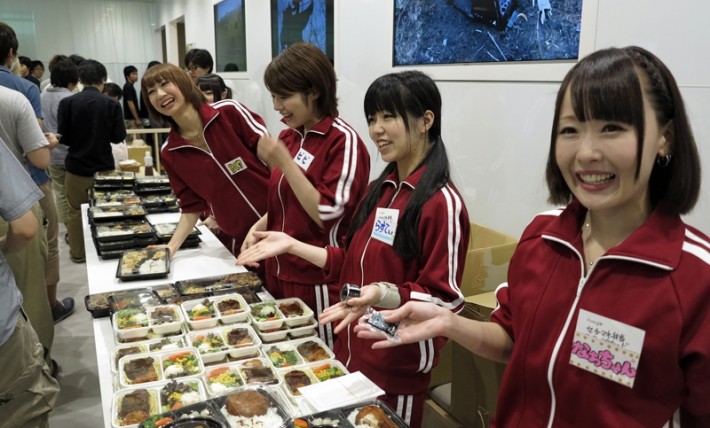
column 131, row 324
column 282, row 355
column 222, row 378
column 265, row 316
column 154, row 405
column 169, row 326
column 294, row 320
column 319, row 350
column 232, row 316
column 197, row 309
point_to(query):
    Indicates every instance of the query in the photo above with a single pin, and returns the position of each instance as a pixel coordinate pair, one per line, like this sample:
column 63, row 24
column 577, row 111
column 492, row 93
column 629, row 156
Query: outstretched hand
column 265, row 245
column 352, row 309
column 417, row 321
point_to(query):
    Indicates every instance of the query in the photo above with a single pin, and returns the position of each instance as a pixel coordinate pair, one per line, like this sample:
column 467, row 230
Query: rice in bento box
column 177, row 394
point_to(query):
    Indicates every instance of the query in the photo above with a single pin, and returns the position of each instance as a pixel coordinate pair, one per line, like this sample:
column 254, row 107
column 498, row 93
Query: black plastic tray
column 159, row 200
column 97, row 311
column 153, row 181
column 126, row 244
column 185, row 412
column 165, row 231
column 116, row 213
column 218, row 403
column 166, row 209
column 217, row 283
column 153, row 189
column 125, row 230
column 114, row 177
column 116, row 200
column 135, row 274
column 133, row 299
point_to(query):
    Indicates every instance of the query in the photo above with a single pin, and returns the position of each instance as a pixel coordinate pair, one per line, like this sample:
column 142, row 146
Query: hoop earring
column 663, row 161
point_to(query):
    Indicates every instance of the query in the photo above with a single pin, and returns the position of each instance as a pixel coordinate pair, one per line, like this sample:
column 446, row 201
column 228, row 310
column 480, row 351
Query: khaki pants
column 28, row 267
column 51, row 270
column 28, row 392
column 57, row 173
column 76, row 189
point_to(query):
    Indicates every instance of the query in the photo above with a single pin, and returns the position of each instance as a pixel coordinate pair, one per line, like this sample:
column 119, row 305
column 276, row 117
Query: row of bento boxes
column 277, row 316
column 149, row 369
column 247, row 284
column 177, row 378
column 235, row 343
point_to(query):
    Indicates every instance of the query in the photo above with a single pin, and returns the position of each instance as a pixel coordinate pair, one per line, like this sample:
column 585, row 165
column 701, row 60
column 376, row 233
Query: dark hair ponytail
column 406, row 94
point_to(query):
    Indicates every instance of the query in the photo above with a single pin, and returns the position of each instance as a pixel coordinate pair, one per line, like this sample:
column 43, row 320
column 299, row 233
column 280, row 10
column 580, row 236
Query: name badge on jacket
column 303, row 159
column 385, row 227
column 607, row 347
column 236, row 165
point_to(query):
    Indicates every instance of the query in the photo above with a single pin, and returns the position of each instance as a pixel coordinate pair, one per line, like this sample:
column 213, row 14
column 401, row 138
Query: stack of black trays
column 156, row 194
column 116, row 216
column 119, row 203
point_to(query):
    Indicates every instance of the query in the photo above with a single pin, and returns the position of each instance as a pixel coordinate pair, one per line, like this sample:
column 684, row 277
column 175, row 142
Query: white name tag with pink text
column 607, row 347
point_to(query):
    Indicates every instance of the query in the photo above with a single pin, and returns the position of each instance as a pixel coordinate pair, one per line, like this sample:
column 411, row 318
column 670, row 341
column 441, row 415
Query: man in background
column 88, row 123
column 130, row 102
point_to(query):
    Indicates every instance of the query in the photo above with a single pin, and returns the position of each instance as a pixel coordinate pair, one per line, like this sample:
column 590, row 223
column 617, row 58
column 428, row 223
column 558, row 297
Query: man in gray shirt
column 27, row 390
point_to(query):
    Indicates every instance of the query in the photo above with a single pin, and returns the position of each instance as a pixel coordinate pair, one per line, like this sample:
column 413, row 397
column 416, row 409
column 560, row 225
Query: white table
column 211, row 258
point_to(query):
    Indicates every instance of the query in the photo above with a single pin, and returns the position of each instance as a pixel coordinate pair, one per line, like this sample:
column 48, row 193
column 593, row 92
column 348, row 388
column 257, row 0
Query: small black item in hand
column 378, row 321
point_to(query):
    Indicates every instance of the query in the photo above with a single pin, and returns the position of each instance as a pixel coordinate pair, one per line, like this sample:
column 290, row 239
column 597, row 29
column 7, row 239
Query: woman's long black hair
column 408, row 94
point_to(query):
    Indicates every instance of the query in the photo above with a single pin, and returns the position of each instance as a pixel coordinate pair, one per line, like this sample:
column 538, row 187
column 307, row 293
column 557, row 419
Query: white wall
column 115, row 32
column 497, row 133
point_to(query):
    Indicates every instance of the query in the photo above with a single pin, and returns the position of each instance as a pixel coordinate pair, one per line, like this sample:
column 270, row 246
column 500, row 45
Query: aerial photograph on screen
column 476, row 31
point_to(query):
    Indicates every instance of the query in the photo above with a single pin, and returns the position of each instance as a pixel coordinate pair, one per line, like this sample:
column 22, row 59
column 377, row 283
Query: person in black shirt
column 88, row 123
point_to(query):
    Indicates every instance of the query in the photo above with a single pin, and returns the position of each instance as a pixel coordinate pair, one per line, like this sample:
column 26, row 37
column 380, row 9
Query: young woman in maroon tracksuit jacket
column 321, row 168
column 408, row 239
column 210, row 156
column 604, row 320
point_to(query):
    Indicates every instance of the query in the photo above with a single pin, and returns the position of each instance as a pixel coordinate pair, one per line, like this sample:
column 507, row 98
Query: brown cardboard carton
column 441, row 374
column 489, row 252
column 474, row 386
column 436, row 417
column 137, row 152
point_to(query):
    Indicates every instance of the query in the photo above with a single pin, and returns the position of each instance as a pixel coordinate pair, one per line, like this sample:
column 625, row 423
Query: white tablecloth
column 211, row 258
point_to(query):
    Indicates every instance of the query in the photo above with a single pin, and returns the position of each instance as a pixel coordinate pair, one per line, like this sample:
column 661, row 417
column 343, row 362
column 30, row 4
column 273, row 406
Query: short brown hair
column 606, row 85
column 304, row 68
column 174, row 74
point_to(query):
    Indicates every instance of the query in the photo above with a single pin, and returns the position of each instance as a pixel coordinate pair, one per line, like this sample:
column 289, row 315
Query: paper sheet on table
column 342, row 391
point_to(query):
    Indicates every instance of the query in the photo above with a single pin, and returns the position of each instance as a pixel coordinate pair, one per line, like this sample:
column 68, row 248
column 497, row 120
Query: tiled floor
column 79, row 404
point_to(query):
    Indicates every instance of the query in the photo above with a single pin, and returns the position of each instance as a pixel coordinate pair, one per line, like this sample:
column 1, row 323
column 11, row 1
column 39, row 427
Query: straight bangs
column 610, row 89
column 170, row 73
column 388, row 94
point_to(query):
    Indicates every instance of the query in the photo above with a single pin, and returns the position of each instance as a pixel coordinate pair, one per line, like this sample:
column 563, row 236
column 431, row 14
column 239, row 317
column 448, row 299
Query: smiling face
column 396, row 143
column 166, row 98
column 598, row 160
column 297, row 110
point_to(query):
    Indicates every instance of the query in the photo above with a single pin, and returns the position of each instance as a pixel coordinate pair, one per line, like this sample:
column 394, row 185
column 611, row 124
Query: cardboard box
column 137, row 152
column 436, row 417
column 441, row 374
column 474, row 386
column 489, row 253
